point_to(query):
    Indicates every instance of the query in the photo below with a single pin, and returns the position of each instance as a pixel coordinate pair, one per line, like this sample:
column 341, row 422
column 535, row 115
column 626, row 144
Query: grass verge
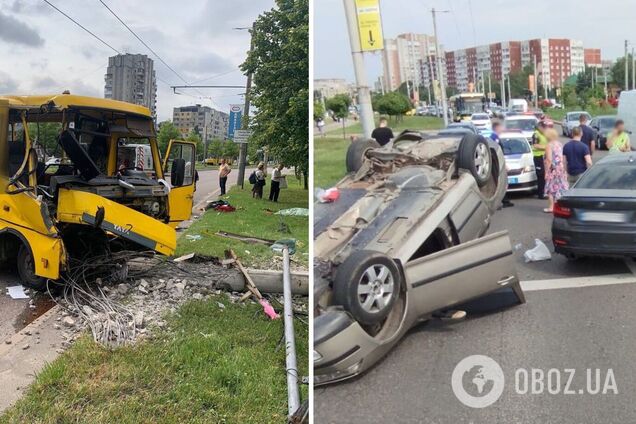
column 559, row 114
column 329, row 160
column 211, row 365
column 398, row 125
column 253, row 217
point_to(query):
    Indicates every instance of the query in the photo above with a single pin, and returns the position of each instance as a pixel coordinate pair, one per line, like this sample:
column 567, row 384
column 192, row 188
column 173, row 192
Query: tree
column 46, row 133
column 618, row 71
column 319, row 110
column 215, row 148
column 392, row 104
column 196, row 138
column 279, row 63
column 167, row 132
column 339, row 106
column 230, row 149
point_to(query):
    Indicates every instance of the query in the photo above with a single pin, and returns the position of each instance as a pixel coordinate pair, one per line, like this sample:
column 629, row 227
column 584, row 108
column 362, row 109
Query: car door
column 470, row 217
column 461, row 273
column 179, row 164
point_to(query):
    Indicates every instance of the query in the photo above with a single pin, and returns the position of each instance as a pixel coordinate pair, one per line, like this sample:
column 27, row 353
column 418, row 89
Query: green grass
column 398, row 125
column 211, row 365
column 253, row 217
column 329, row 160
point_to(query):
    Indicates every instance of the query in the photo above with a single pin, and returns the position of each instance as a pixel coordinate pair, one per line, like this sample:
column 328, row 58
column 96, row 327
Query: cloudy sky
column 603, row 24
column 41, row 51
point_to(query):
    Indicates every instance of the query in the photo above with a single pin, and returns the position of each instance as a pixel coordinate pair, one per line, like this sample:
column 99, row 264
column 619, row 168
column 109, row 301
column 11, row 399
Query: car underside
column 400, row 243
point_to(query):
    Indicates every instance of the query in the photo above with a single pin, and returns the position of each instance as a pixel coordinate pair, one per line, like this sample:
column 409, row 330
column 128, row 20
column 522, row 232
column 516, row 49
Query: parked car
column 524, row 123
column 520, row 165
column 597, row 216
column 466, row 125
column 481, row 121
column 602, row 126
column 405, row 239
column 571, row 120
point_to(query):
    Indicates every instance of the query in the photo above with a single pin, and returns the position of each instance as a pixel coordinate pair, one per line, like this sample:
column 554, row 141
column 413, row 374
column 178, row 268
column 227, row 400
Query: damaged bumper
column 78, row 207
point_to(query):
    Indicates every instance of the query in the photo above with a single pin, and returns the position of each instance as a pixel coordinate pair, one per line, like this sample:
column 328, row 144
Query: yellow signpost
column 369, row 25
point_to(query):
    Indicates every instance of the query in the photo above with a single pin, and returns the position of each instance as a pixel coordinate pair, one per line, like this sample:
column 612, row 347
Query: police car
column 519, row 162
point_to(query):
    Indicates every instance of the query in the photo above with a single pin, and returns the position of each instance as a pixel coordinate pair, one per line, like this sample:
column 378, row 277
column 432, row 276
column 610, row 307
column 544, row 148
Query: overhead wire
column 82, row 26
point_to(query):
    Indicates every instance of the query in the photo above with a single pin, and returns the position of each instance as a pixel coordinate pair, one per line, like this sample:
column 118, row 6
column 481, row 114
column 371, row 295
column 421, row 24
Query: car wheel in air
column 474, row 156
column 356, row 151
column 367, row 284
column 26, row 270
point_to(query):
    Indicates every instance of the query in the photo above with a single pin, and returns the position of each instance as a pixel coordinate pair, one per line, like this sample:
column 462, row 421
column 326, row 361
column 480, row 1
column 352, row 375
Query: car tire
column 367, row 285
column 474, row 156
column 356, row 151
column 26, row 270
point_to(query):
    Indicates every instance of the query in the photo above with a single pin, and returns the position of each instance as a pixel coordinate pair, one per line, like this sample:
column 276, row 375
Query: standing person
column 321, row 127
column 383, row 134
column 556, row 182
column 224, row 171
column 539, row 143
column 587, row 134
column 277, row 175
column 577, row 156
column 257, row 189
column 618, row 140
column 497, row 129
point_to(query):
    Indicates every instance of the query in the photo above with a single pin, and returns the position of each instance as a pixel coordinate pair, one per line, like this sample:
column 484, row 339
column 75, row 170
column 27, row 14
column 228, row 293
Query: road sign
column 369, row 25
column 236, row 113
column 241, row 136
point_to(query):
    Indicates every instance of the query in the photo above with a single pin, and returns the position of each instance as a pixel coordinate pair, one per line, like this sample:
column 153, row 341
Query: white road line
column 577, row 282
column 631, row 265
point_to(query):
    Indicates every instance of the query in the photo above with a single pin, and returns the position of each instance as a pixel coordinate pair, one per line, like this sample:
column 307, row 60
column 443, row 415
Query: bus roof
column 64, row 101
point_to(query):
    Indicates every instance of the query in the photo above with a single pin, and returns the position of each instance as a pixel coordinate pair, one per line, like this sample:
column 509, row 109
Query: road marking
column 577, row 282
column 631, row 265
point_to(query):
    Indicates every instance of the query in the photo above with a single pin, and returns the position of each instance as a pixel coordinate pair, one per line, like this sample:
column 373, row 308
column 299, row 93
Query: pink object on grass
column 269, row 310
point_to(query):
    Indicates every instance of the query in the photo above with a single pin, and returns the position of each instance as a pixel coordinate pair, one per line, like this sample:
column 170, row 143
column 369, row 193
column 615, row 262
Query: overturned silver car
column 406, row 239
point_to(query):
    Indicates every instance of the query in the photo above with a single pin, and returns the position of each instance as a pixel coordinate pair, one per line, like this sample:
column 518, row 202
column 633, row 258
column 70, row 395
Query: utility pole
column 633, row 72
column 246, row 116
column 362, row 84
column 626, row 67
column 605, row 81
column 536, row 85
column 509, row 90
column 442, row 87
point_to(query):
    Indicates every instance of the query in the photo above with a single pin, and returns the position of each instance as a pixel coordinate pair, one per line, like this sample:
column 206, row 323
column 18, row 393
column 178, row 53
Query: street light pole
column 362, row 84
column 626, row 67
column 246, row 115
column 438, row 58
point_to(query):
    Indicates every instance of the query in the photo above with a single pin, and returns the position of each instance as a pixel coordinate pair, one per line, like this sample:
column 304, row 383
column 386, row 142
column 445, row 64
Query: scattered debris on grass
column 118, row 311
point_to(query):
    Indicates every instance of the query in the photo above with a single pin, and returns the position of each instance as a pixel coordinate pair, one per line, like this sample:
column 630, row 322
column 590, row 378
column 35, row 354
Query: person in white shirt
column 277, row 175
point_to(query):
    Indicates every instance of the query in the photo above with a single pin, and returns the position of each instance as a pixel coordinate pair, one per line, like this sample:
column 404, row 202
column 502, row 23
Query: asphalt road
column 575, row 328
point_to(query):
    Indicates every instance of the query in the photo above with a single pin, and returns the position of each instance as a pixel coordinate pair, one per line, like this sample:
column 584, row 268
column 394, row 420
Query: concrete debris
column 138, row 305
column 25, row 347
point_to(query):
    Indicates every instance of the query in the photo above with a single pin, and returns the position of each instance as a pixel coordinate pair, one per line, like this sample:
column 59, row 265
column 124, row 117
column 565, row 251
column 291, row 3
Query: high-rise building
column 556, row 60
column 329, row 87
column 402, row 59
column 209, row 123
column 131, row 78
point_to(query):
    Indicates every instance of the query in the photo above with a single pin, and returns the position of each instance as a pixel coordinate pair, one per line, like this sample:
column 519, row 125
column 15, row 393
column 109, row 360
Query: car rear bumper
column 593, row 239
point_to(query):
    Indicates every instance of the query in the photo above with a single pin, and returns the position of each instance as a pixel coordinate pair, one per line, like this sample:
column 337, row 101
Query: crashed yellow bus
column 89, row 198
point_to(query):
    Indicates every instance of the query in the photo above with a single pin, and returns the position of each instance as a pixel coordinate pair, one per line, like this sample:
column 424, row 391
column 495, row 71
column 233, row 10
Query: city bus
column 465, row 104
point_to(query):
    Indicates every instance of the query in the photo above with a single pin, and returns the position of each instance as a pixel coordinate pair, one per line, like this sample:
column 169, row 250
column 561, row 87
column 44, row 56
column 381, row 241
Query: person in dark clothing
column 383, row 134
column 587, row 134
column 577, row 157
column 497, row 129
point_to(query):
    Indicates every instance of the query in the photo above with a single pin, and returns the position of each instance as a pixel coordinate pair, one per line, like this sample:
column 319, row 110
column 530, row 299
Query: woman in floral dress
column 556, row 180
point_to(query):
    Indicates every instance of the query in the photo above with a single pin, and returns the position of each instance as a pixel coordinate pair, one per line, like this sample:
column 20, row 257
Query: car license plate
column 603, row 216
column 512, row 180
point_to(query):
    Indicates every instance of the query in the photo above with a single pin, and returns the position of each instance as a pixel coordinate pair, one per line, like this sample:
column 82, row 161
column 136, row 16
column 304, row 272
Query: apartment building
column 329, row 87
column 209, row 123
column 131, row 78
column 556, row 59
column 403, row 58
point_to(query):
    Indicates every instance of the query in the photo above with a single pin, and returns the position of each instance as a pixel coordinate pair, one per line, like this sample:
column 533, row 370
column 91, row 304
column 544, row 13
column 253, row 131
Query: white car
column 571, row 120
column 524, row 123
column 519, row 162
column 481, row 121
